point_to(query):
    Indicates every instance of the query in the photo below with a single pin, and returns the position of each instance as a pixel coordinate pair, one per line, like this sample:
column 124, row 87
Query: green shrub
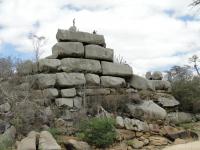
column 98, row 131
column 188, row 94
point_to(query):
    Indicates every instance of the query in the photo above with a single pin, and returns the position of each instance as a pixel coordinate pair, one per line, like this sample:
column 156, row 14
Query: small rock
column 5, row 107
column 158, row 141
column 136, row 143
column 179, row 141
column 119, row 121
column 76, row 145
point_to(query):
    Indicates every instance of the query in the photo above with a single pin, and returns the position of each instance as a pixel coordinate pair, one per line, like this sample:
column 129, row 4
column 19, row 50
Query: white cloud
column 139, row 30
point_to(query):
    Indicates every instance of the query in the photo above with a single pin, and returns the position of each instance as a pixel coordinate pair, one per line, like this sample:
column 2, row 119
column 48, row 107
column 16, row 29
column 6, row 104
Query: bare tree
column 195, row 3
column 38, row 43
column 195, row 60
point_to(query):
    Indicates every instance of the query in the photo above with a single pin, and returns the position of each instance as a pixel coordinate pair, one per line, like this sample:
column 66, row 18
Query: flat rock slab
column 92, row 79
column 168, row 101
column 47, row 142
column 70, row 79
column 49, row 65
column 50, row 93
column 68, row 92
column 101, row 91
column 84, row 37
column 66, row 49
column 70, row 102
column 98, row 52
column 43, row 81
column 114, row 69
column 28, row 143
column 80, row 65
column 147, row 110
column 113, row 82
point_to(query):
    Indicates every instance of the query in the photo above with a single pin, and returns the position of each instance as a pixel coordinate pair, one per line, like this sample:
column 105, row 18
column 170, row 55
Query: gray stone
column 169, row 101
column 114, row 82
column 70, row 79
column 44, row 81
column 47, row 142
column 61, row 102
column 5, row 107
column 141, row 83
column 120, row 121
column 28, row 143
column 92, row 79
column 157, row 75
column 135, row 143
column 148, row 75
column 78, row 102
column 179, row 117
column 115, row 69
column 49, row 65
column 50, row 93
column 84, row 37
column 147, row 110
column 161, row 85
column 80, row 65
column 68, row 92
column 136, row 125
column 77, row 145
column 98, row 52
column 101, row 91
column 66, row 49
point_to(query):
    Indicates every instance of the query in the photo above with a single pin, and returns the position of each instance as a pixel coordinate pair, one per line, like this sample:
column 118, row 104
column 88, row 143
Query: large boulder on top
column 80, row 65
column 147, row 110
column 66, row 49
column 114, row 69
column 98, row 52
column 48, row 65
column 161, row 85
column 70, row 79
column 114, row 82
column 47, row 142
column 84, row 37
column 141, row 83
column 156, row 75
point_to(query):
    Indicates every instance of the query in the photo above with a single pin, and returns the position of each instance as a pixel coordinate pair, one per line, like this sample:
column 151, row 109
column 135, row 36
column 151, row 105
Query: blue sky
column 150, row 35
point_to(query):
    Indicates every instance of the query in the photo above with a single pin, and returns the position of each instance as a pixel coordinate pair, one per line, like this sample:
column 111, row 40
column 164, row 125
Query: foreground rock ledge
column 66, row 35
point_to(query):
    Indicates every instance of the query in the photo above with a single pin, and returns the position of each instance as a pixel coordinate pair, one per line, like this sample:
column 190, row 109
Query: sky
column 149, row 34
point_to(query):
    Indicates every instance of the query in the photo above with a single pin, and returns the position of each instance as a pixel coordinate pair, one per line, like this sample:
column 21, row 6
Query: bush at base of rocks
column 98, row 131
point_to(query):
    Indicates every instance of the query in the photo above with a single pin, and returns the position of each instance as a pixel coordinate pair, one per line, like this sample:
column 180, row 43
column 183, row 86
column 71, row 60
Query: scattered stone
column 76, row 145
column 135, row 143
column 5, row 107
column 50, row 93
column 48, row 65
column 136, row 125
column 114, row 82
column 125, row 134
column 158, row 141
column 80, row 65
column 179, row 141
column 70, row 79
column 114, row 69
column 66, row 49
column 65, row 35
column 28, row 143
column 120, row 122
column 147, row 110
column 92, row 79
column 179, row 117
column 141, row 83
column 47, row 142
column 98, row 52
column 66, row 93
